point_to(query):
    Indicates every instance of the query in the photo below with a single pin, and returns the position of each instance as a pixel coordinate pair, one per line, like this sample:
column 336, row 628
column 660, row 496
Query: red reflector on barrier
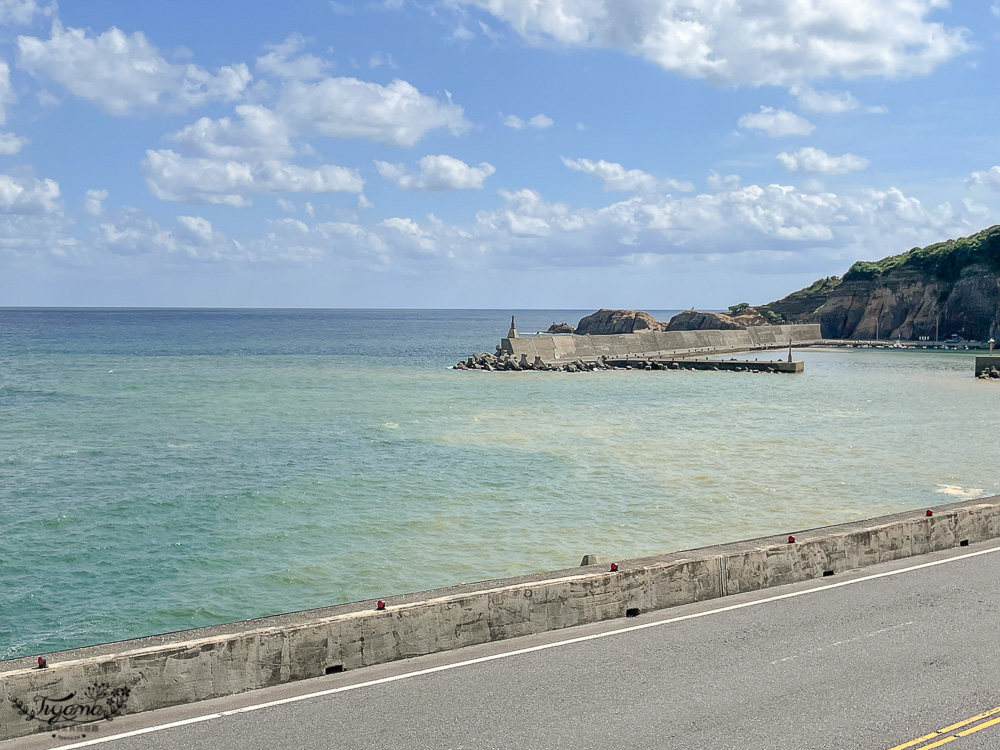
column 930, row 512
column 614, row 567
column 380, row 605
column 791, row 540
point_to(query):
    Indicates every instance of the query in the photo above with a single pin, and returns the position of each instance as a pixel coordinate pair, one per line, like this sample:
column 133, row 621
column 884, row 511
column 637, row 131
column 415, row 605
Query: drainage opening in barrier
column 964, row 543
column 632, row 612
column 335, row 669
column 827, row 573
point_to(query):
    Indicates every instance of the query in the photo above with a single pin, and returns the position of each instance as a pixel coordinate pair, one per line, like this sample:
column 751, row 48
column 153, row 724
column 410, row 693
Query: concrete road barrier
column 100, row 682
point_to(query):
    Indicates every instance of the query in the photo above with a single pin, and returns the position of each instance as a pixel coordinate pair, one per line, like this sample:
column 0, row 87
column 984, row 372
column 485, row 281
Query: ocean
column 168, row 469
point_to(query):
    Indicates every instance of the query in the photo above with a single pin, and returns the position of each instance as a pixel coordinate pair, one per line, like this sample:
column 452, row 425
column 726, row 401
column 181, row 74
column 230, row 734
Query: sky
column 652, row 154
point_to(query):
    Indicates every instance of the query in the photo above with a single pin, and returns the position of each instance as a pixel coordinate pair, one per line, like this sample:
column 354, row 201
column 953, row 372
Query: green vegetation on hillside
column 818, row 287
column 944, row 260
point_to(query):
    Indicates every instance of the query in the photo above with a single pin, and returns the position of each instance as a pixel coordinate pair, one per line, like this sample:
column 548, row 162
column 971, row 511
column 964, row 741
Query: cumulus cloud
column 286, row 61
column 23, row 11
column 173, row 177
column 815, row 160
column 832, row 102
column 539, row 122
column 6, row 92
column 93, row 202
column 124, row 74
column 11, row 144
column 525, row 230
column 437, row 174
column 783, row 43
column 989, row 178
column 718, row 181
column 29, row 195
column 397, row 114
column 259, row 134
column 616, row 177
column 134, row 232
column 776, row 122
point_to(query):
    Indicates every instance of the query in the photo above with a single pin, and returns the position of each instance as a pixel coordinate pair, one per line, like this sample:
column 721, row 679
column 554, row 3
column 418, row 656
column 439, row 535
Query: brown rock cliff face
column 943, row 290
column 693, row 320
column 606, row 321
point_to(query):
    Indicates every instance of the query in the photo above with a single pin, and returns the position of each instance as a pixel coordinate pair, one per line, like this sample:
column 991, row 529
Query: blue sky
column 484, row 153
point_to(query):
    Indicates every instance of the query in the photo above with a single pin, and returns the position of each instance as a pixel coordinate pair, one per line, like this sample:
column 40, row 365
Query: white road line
column 518, row 652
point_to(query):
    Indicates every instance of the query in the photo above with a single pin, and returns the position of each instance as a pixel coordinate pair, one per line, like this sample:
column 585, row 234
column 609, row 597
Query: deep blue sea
column 167, row 469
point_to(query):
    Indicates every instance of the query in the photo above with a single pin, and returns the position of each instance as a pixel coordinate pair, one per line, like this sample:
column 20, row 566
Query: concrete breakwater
column 139, row 675
column 556, row 352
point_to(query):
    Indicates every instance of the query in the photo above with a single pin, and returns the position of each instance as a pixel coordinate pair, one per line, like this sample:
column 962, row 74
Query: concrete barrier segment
column 99, row 682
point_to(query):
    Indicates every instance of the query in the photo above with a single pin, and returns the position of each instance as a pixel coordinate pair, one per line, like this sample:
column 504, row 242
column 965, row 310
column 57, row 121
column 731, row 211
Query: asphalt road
column 876, row 663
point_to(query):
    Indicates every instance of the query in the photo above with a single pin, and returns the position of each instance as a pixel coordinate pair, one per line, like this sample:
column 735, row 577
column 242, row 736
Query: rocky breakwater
column 948, row 289
column 505, row 363
column 991, row 374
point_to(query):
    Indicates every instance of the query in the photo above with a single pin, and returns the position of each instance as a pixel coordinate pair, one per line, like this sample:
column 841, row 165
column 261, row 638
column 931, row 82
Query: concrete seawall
column 148, row 673
column 660, row 343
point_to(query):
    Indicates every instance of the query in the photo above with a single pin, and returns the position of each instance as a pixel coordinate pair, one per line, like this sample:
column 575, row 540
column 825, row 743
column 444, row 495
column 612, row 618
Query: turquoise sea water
column 166, row 469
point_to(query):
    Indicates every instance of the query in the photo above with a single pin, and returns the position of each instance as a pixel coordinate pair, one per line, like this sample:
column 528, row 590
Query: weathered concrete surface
column 986, row 363
column 194, row 665
column 660, row 343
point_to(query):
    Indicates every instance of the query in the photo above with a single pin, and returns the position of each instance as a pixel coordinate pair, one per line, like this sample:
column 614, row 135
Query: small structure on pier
column 512, row 333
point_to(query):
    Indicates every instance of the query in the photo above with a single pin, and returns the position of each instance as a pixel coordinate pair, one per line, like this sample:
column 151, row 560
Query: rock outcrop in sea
column 951, row 288
column 607, row 322
column 561, row 328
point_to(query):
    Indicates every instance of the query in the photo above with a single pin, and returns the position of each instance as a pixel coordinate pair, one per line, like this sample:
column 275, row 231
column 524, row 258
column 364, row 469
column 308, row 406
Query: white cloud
column 995, row 9
column 341, row 9
column 11, row 144
column 125, row 74
column 260, row 134
column 6, row 92
column 989, row 178
column 815, row 160
column 776, row 122
column 833, row 102
column 378, row 59
column 616, row 177
column 437, row 174
column 718, row 181
column 284, row 61
column 173, row 177
column 539, row 122
column 32, row 219
column 134, row 232
column 397, row 114
column 29, row 195
column 781, row 42
column 93, row 202
column 23, row 11
column 766, row 225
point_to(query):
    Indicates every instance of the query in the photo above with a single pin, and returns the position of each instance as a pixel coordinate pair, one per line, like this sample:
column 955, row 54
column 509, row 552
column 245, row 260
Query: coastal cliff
column 950, row 288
